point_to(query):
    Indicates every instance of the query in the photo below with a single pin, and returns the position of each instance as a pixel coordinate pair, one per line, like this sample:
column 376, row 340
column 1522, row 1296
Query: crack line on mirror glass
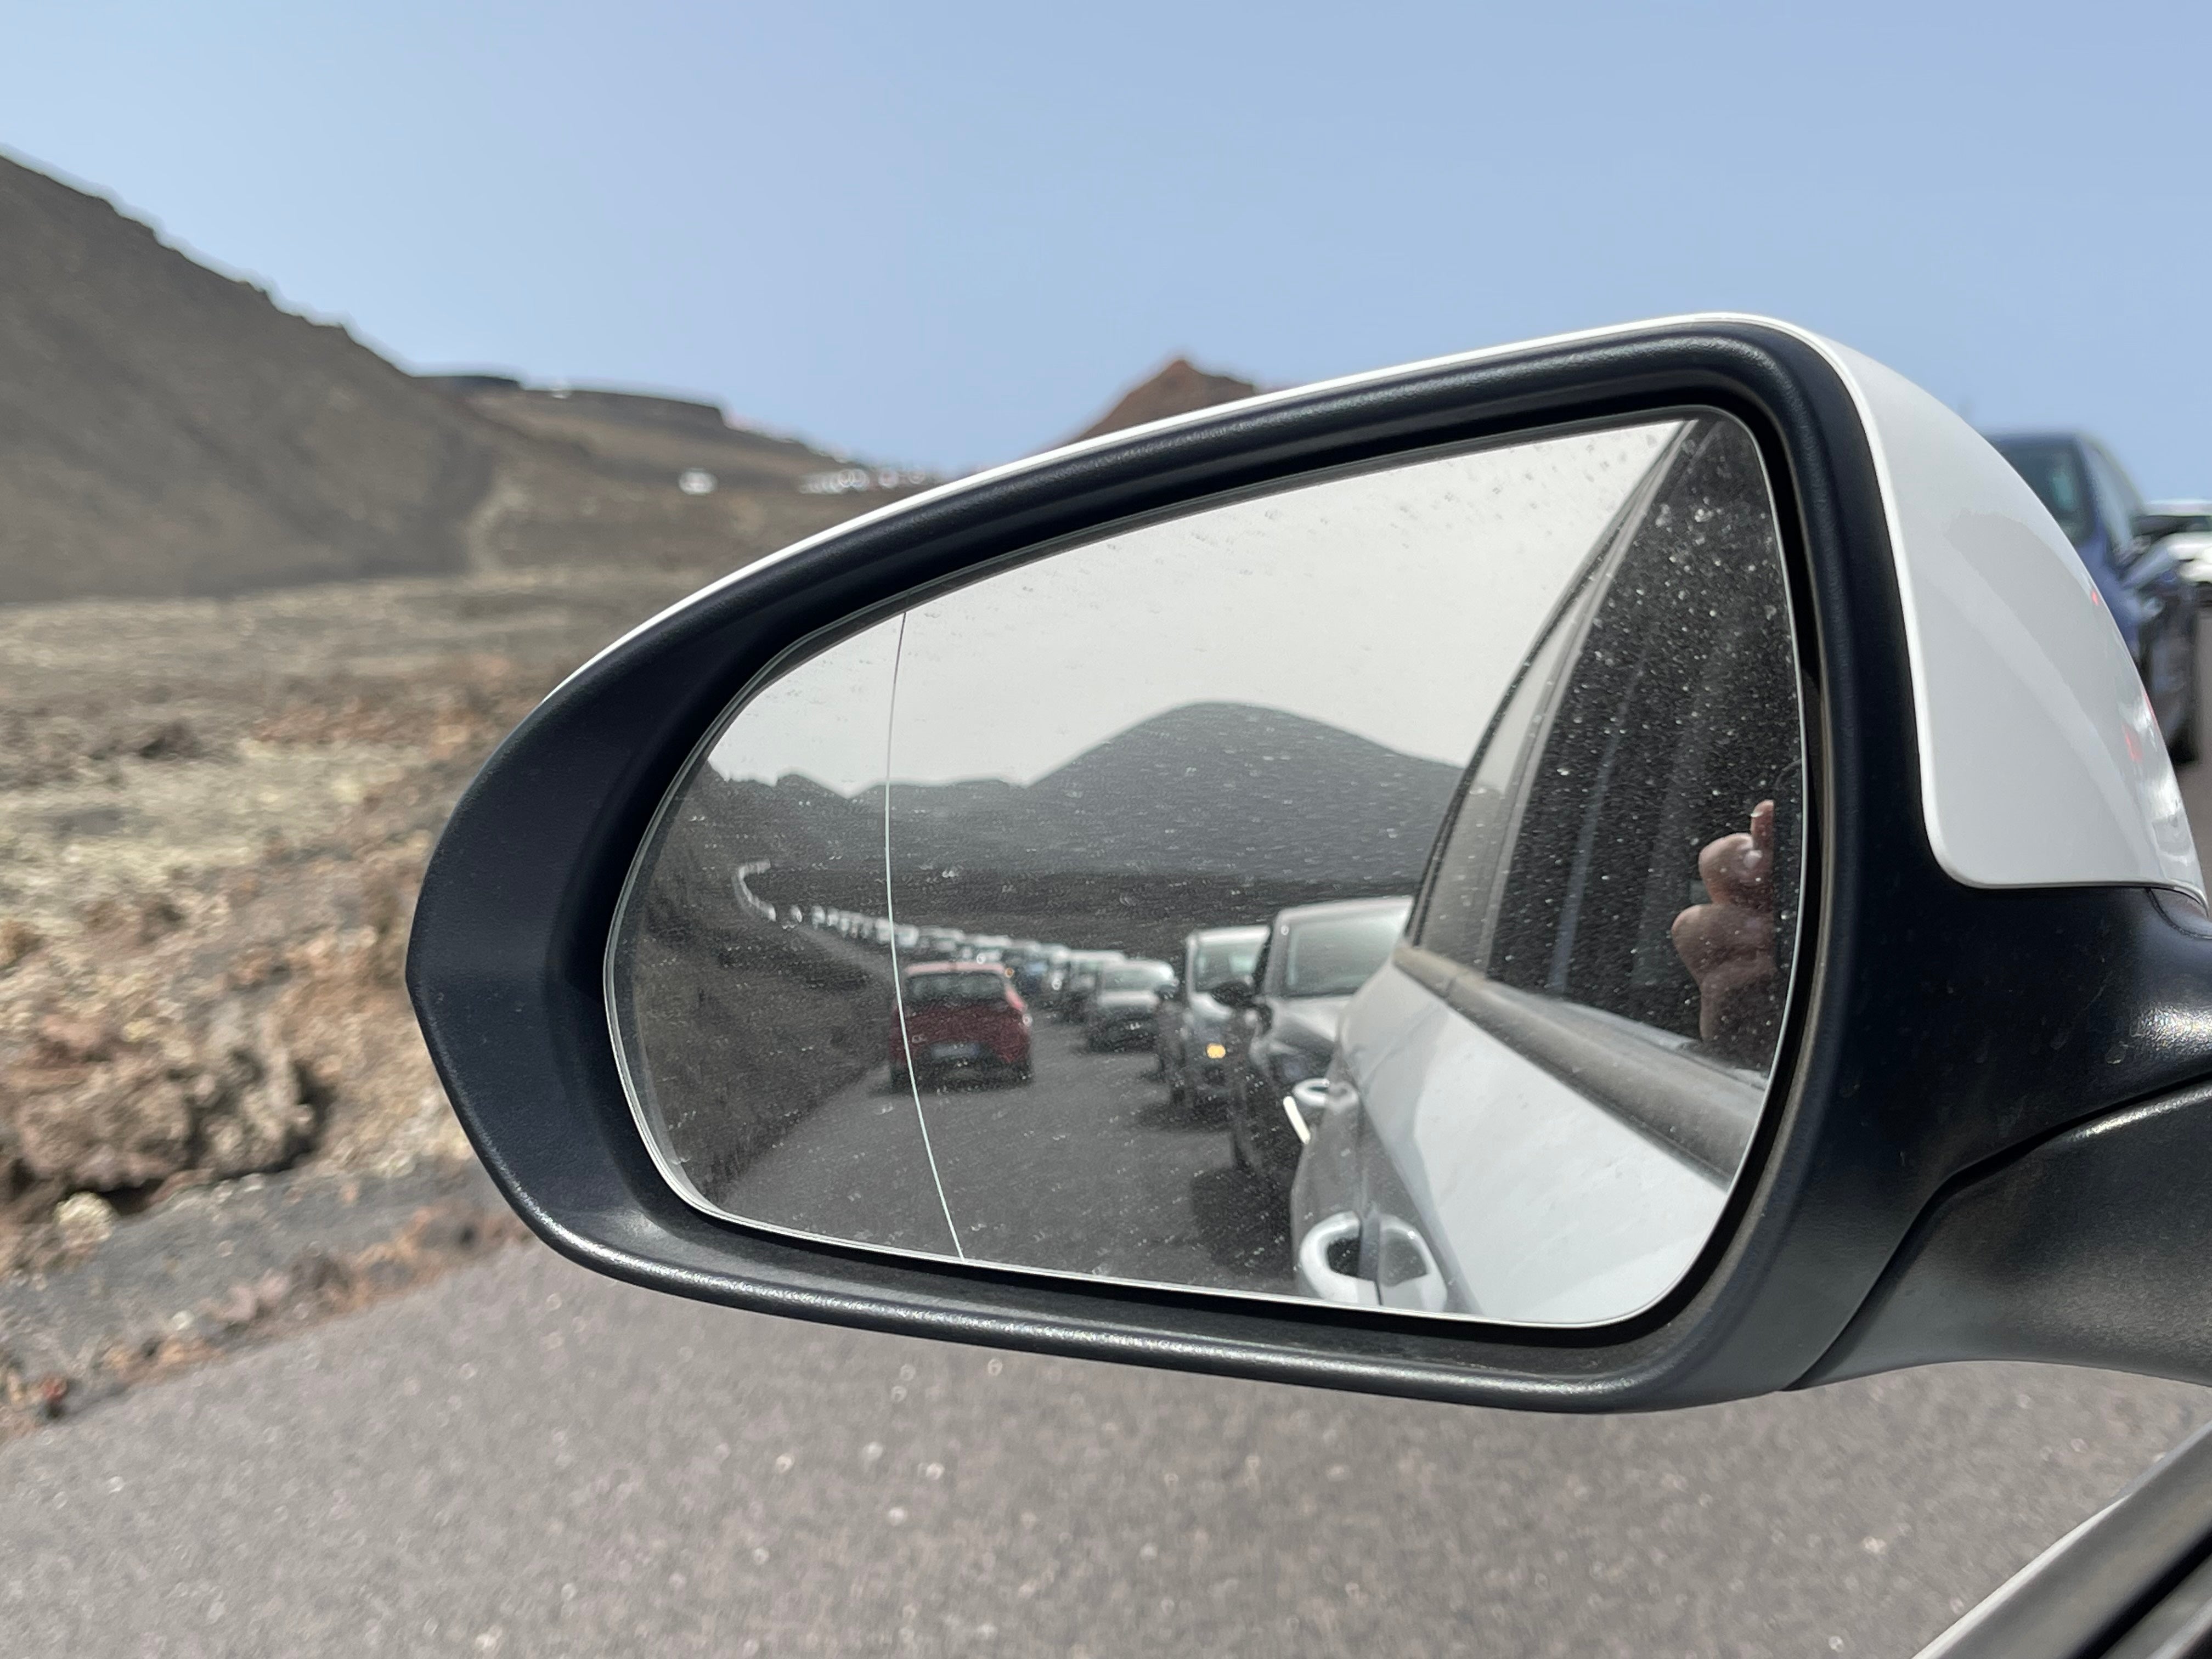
column 891, row 918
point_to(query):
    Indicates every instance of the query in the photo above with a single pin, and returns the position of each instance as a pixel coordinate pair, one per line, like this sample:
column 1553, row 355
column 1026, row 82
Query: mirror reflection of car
column 1053, row 987
column 934, row 943
column 1538, row 1105
column 1084, row 968
column 1193, row 1026
column 1031, row 969
column 959, row 1018
column 1282, row 1027
column 1124, row 1006
column 2137, row 570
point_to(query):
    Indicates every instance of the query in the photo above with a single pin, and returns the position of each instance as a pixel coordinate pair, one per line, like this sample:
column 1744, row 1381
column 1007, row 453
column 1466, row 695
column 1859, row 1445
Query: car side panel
column 1539, row 1204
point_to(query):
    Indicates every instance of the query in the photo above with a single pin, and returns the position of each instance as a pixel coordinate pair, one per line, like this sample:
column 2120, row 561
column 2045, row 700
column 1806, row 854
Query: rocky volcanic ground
column 213, row 819
column 215, row 1116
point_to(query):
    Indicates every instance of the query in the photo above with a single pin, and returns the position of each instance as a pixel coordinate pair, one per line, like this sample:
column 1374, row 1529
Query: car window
column 1674, row 720
column 924, row 988
column 1457, row 908
column 1144, row 977
column 2054, row 472
column 1215, row 960
column 1334, row 956
column 2117, row 497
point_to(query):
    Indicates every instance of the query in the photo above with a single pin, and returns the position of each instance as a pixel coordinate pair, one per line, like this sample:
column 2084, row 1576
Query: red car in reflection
column 959, row 1018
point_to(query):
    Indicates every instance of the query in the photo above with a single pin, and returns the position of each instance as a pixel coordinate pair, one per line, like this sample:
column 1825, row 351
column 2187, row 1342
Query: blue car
column 2143, row 583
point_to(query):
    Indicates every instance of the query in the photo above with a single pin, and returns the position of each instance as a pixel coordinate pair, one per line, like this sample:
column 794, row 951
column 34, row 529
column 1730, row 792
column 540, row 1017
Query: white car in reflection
column 1537, row 1109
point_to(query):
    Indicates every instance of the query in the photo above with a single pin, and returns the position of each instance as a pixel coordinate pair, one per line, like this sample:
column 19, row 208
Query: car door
column 1547, row 1109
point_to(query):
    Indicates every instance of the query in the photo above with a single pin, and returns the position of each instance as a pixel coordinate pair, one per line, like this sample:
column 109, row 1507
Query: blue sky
column 945, row 234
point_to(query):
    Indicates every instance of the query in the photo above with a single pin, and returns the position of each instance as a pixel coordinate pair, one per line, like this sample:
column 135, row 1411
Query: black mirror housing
column 1949, row 1025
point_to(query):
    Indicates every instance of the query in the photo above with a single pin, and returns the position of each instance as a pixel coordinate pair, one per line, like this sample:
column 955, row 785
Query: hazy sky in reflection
column 1394, row 604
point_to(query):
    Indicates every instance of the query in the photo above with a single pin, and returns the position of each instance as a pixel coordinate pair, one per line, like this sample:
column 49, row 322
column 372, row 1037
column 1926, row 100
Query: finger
column 1727, row 867
column 1758, row 862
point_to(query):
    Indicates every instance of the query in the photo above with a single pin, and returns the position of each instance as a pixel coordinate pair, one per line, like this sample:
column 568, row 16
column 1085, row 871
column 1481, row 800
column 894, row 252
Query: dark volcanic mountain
column 1214, row 788
column 1235, row 789
column 166, row 430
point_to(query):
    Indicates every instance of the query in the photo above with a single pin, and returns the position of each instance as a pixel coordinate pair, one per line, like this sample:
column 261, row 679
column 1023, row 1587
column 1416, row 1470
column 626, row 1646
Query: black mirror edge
column 1890, row 1087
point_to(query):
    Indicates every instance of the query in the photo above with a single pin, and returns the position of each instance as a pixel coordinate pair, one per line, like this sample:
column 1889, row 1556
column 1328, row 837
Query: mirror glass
column 1382, row 889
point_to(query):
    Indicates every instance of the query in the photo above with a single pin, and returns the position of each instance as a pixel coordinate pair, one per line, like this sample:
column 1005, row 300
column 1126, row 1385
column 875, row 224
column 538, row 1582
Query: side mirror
column 1806, row 971
column 1235, row 994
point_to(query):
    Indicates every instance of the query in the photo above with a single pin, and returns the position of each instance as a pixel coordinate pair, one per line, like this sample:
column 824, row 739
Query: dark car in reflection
column 1031, row 968
column 1191, row 1027
column 959, row 1019
column 2137, row 573
column 1123, row 1007
column 1282, row 1027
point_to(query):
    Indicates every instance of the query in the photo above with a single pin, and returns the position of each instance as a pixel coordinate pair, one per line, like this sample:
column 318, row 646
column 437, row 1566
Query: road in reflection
column 1086, row 1168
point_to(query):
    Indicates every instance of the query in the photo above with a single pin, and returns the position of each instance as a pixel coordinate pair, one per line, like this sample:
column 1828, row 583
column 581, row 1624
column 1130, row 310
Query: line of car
column 1243, row 1022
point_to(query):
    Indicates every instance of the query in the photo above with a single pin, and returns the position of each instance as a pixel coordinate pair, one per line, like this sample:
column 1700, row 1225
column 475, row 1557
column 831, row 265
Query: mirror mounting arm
column 2021, row 1262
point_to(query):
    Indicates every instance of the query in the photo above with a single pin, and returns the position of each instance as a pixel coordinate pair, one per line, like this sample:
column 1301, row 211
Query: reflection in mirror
column 1084, row 918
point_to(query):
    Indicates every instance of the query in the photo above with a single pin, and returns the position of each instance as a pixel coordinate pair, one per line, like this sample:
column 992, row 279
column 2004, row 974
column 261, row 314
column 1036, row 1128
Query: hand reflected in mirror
column 1727, row 944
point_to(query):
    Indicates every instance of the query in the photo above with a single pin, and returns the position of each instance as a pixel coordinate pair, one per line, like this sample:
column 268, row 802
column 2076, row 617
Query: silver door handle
column 1409, row 1270
column 1318, row 1279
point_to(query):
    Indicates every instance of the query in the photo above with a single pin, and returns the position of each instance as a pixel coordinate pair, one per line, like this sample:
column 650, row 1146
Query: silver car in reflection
column 1084, row 968
column 1282, row 1031
column 1192, row 1030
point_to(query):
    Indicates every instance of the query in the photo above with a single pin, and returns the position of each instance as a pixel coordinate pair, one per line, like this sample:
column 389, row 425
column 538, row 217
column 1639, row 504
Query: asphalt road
column 526, row 1459
column 1086, row 1168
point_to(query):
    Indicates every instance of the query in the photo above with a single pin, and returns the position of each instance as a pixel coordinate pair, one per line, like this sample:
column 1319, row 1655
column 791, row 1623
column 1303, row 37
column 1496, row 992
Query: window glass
column 1456, row 917
column 2054, row 472
column 1138, row 977
column 1215, row 960
column 1334, row 956
column 2117, row 497
column 1675, row 721
column 955, row 988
